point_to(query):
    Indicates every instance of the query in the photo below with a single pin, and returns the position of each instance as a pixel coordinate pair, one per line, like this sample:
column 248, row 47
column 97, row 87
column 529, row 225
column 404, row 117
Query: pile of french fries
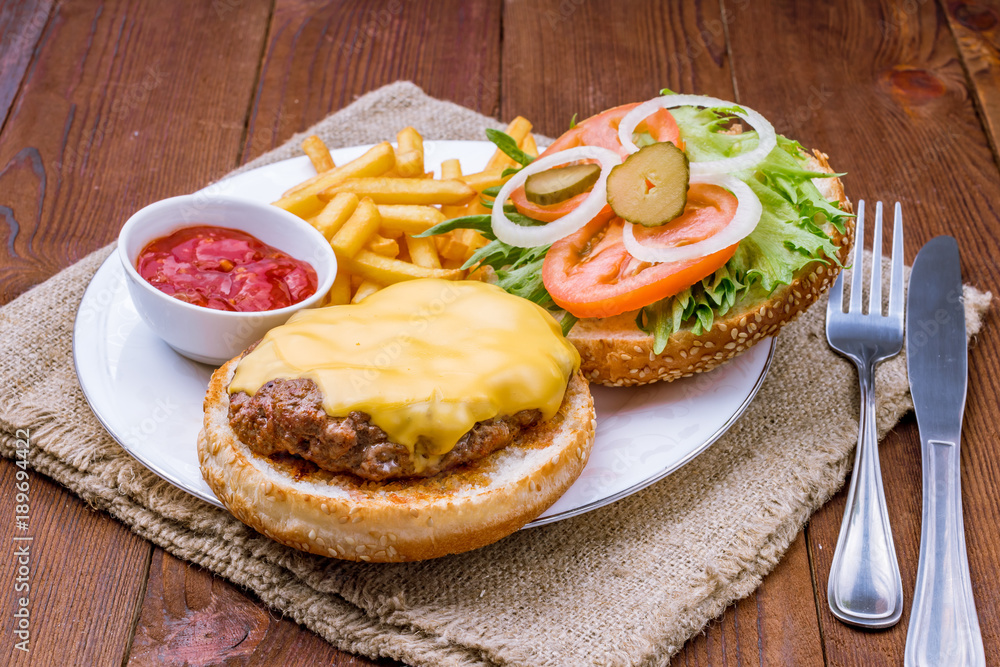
column 372, row 208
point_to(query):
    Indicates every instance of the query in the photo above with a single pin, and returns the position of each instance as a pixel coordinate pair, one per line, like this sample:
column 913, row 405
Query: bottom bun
column 346, row 517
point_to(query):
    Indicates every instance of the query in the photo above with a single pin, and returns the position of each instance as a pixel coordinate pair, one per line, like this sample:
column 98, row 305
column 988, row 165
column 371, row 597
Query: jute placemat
column 626, row 584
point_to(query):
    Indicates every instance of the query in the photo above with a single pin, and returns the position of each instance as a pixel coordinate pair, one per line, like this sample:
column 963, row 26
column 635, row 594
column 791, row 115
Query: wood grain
column 21, row 26
column 115, row 113
column 319, row 58
column 86, row 577
column 597, row 63
column 894, row 112
column 776, row 625
column 976, row 26
column 191, row 617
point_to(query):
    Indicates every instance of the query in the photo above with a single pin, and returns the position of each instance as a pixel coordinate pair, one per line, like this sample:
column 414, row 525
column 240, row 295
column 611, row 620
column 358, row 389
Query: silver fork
column 865, row 588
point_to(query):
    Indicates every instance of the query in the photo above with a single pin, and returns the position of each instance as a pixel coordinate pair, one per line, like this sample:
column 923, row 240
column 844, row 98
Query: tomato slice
column 590, row 274
column 600, row 130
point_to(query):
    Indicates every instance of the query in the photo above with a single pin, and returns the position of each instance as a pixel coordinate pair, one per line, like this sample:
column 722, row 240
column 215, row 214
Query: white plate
column 149, row 398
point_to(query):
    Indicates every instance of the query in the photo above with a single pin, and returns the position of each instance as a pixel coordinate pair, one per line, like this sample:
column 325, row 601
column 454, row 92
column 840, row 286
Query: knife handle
column 944, row 628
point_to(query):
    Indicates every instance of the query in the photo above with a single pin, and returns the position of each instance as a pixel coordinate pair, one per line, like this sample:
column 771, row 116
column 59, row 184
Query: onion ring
column 748, row 212
column 766, row 137
column 521, row 236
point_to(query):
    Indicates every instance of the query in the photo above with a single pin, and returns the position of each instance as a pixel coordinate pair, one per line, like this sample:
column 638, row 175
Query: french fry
column 409, row 219
column 410, row 153
column 366, row 288
column 386, row 271
column 318, row 153
column 529, row 146
column 340, row 292
column 335, row 214
column 404, row 190
column 451, row 169
column 485, row 179
column 302, row 200
column 423, row 252
column 450, row 247
column 381, row 245
column 388, row 232
column 453, row 264
column 518, row 130
column 350, row 238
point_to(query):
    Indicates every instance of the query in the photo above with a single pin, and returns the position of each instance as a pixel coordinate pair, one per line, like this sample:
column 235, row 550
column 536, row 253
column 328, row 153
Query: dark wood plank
column 321, row 57
column 976, row 26
column 597, row 63
column 191, row 617
column 85, row 579
column 892, row 109
column 114, row 112
column 21, row 25
column 776, row 625
column 117, row 112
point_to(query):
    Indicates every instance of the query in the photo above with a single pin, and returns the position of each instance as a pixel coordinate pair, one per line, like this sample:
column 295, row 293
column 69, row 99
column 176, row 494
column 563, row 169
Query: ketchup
column 225, row 269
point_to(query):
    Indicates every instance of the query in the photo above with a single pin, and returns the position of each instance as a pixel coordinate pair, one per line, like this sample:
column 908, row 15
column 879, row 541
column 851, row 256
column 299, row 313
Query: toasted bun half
column 615, row 352
column 346, row 517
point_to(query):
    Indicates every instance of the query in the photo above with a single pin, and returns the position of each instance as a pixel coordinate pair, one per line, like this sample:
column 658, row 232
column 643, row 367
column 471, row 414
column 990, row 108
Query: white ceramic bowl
column 204, row 334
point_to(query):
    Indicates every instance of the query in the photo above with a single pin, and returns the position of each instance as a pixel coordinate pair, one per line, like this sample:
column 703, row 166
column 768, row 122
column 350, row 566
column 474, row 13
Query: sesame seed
column 312, row 534
column 626, row 357
column 349, row 540
column 757, row 317
column 319, row 541
column 430, row 521
column 798, row 294
column 652, row 356
column 383, row 541
column 392, row 551
column 366, row 559
column 359, row 549
column 332, row 551
column 770, row 313
column 633, row 370
column 735, row 333
column 638, row 350
column 356, row 519
column 268, row 487
column 342, row 519
column 752, row 327
column 684, row 355
column 730, row 346
column 743, row 321
column 414, row 513
column 787, row 307
column 709, row 345
column 325, row 508
column 669, row 360
column 696, row 343
column 392, row 537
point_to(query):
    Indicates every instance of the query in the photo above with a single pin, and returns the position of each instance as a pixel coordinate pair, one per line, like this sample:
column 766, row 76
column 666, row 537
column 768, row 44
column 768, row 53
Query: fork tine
column 857, row 270
column 875, row 293
column 896, row 279
column 836, row 304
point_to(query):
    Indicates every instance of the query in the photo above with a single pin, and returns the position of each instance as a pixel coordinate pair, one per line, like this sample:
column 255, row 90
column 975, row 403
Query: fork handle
column 865, row 588
column 944, row 628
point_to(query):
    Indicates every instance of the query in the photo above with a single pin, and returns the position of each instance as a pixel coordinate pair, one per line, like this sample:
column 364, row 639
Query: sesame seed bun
column 615, row 352
column 346, row 517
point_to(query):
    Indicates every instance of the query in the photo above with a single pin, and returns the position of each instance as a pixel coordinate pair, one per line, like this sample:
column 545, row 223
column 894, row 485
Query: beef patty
column 287, row 417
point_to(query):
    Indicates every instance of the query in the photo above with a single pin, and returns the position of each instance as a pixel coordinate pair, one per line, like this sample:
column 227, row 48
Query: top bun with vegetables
column 667, row 236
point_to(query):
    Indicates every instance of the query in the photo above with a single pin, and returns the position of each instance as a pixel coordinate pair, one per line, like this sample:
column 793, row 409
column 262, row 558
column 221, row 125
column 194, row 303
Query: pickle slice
column 561, row 183
column 650, row 187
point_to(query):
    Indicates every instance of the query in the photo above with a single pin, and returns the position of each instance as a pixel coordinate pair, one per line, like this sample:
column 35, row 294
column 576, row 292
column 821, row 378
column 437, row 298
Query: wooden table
column 106, row 107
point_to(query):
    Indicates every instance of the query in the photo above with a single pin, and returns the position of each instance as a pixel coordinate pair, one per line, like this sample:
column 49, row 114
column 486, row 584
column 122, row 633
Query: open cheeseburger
column 432, row 418
column 666, row 236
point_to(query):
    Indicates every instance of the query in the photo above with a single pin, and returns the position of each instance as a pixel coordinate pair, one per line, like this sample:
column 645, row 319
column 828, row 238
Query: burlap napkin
column 626, row 584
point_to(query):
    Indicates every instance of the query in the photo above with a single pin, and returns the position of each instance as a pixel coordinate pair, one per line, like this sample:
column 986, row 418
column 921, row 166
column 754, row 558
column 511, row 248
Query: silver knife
column 944, row 629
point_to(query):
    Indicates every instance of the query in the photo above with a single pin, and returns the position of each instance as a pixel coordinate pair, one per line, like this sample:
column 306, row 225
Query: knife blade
column 944, row 628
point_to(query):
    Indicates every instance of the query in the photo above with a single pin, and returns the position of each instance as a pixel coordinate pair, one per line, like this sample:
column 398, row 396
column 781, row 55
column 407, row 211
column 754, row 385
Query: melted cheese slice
column 426, row 359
